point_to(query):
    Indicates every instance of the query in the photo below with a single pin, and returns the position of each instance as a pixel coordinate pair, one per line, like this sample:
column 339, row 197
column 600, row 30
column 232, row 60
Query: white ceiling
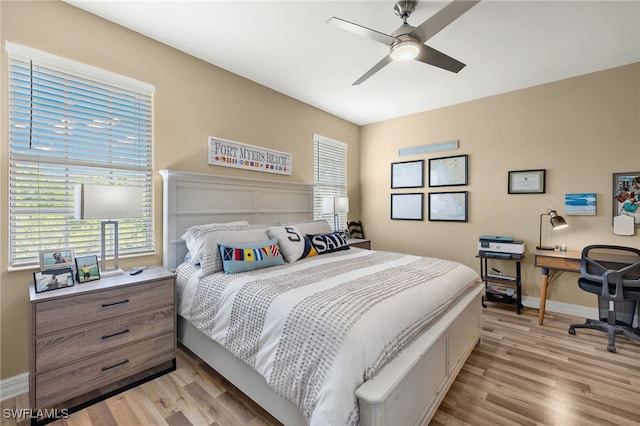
column 289, row 46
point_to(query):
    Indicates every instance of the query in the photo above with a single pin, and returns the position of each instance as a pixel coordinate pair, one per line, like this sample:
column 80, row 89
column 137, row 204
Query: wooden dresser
column 95, row 339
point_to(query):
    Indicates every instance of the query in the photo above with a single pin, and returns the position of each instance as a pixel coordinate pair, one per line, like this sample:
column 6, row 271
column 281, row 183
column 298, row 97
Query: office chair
column 355, row 229
column 619, row 268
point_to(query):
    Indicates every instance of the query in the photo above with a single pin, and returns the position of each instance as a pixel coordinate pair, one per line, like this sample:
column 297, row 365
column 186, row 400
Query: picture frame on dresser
column 88, row 269
column 53, row 279
column 56, row 258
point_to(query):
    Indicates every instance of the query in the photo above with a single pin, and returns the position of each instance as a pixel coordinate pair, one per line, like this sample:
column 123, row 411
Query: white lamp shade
column 327, row 205
column 341, row 205
column 107, row 202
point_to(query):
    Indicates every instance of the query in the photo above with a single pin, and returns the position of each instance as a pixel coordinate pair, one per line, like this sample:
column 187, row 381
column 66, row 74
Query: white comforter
column 318, row 328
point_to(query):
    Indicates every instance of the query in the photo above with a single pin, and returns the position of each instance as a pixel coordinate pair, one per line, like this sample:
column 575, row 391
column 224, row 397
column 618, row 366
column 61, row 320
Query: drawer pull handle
column 126, row 361
column 106, row 305
column 125, row 331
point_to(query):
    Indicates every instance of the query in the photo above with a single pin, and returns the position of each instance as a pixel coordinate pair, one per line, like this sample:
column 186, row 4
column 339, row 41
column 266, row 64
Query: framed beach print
column 53, row 279
column 448, row 206
column 448, row 171
column 88, row 269
column 526, row 182
column 626, row 193
column 407, row 174
column 56, row 258
column 407, row 206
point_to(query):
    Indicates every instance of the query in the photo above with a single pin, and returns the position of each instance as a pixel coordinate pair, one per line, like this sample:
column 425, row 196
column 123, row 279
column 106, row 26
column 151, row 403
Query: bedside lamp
column 335, row 206
column 557, row 222
column 108, row 203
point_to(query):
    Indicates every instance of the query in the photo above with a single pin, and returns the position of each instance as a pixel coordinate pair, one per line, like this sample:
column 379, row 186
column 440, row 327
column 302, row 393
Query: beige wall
column 581, row 130
column 193, row 100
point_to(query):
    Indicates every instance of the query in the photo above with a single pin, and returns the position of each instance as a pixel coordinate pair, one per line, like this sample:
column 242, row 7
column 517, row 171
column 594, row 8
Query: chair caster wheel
column 572, row 331
column 611, row 348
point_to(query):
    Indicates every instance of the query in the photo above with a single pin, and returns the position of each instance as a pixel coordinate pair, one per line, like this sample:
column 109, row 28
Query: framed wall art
column 56, row 258
column 407, row 174
column 448, row 171
column 526, row 182
column 448, row 206
column 626, row 190
column 581, row 204
column 407, row 206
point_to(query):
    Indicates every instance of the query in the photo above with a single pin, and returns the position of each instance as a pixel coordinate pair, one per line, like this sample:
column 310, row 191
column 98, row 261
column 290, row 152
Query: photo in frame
column 87, row 267
column 626, row 190
column 448, row 171
column 526, row 182
column 56, row 258
column 407, row 206
column 53, row 279
column 448, row 206
column 407, row 174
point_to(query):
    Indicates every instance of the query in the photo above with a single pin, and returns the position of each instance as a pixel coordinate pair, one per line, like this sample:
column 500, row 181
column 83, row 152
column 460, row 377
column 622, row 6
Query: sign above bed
column 227, row 153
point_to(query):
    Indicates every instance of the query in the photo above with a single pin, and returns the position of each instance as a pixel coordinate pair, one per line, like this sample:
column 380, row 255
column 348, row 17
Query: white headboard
column 199, row 198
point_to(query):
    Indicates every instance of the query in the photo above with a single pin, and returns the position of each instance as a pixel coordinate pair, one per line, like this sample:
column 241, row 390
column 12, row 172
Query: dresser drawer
column 72, row 344
column 59, row 314
column 67, row 382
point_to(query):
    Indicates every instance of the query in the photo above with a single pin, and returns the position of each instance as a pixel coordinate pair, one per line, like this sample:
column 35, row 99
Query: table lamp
column 108, row 203
column 557, row 222
column 335, row 206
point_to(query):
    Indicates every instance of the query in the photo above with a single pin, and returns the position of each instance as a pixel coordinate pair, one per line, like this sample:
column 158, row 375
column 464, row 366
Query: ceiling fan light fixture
column 404, row 51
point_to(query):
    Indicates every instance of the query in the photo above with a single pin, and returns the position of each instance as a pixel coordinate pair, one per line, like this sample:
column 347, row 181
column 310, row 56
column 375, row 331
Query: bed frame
column 407, row 391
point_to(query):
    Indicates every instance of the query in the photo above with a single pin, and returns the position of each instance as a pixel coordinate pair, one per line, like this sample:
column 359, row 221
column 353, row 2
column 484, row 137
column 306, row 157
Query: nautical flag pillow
column 238, row 257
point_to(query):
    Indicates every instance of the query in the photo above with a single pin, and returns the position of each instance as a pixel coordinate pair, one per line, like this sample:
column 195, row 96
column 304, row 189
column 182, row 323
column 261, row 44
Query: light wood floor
column 521, row 374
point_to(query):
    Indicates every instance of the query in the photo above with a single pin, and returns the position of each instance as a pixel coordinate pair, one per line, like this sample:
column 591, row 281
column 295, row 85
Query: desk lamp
column 557, row 222
column 108, row 203
column 335, row 206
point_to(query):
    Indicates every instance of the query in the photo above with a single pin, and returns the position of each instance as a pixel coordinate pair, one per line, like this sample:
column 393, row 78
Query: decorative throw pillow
column 250, row 256
column 195, row 237
column 294, row 245
column 328, row 243
column 210, row 261
column 319, row 226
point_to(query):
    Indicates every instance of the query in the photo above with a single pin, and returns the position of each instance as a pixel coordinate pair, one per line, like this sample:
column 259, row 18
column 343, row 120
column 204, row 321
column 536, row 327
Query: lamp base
column 544, row 248
column 110, row 272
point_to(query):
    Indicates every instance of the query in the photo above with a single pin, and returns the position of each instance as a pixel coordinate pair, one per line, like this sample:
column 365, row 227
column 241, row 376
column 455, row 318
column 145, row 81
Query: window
column 68, row 124
column 330, row 176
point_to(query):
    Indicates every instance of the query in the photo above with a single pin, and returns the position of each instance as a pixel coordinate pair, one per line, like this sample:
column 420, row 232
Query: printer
column 500, row 247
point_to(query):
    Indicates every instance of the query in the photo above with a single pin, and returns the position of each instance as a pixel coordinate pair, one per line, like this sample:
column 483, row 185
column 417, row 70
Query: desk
column 556, row 261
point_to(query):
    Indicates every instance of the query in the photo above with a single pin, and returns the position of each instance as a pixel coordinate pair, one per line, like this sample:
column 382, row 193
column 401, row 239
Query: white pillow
column 294, row 245
column 195, row 236
column 319, row 226
column 211, row 261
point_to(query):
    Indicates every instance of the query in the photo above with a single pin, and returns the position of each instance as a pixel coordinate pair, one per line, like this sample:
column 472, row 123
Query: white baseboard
column 561, row 307
column 14, row 386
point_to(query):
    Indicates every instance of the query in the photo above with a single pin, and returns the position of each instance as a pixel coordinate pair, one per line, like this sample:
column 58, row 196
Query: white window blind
column 330, row 175
column 65, row 128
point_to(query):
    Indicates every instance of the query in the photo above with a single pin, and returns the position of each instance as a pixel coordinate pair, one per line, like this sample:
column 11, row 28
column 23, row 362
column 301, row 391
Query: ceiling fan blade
column 441, row 19
column 377, row 67
column 363, row 31
column 431, row 56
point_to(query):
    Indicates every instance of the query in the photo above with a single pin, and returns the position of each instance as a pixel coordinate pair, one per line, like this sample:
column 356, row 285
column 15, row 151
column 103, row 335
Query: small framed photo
column 407, row 174
column 448, row 206
column 407, row 206
column 626, row 195
column 87, row 267
column 56, row 258
column 448, row 171
column 526, row 182
column 53, row 279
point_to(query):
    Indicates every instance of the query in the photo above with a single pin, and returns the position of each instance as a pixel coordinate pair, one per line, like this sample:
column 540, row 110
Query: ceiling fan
column 407, row 42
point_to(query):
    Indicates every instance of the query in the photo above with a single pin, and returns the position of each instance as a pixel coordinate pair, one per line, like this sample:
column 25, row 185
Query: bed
column 297, row 336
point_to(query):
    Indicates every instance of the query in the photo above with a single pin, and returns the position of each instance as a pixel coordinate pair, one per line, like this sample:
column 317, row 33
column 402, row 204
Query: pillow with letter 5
column 293, row 243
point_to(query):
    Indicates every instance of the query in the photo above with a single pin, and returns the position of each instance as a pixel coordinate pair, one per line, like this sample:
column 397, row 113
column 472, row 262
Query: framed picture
column 87, row 267
column 407, row 174
column 581, row 204
column 52, row 279
column 526, row 182
column 626, row 190
column 448, row 206
column 448, row 171
column 407, row 206
column 56, row 258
